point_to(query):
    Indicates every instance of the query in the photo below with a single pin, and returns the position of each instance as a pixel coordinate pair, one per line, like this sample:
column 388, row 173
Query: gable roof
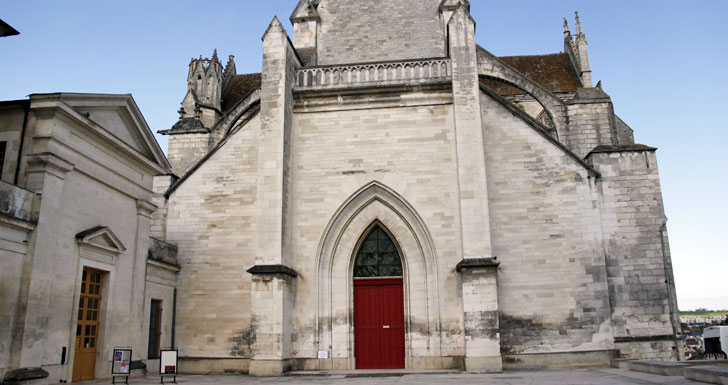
column 237, row 89
column 553, row 72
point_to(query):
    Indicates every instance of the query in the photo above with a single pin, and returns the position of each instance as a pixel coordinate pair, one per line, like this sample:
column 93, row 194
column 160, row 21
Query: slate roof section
column 553, row 72
column 239, row 87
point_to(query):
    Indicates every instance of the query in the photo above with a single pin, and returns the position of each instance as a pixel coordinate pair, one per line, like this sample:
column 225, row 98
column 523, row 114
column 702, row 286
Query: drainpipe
column 669, row 291
column 174, row 314
column 26, row 107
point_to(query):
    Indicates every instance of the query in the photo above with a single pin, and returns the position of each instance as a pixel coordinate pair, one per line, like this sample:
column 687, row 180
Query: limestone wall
column 354, row 31
column 591, row 122
column 631, row 202
column 409, row 149
column 211, row 219
column 552, row 287
column 185, row 150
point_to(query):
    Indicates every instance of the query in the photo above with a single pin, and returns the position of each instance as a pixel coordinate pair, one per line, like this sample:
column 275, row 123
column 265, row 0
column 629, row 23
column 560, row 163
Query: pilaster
column 480, row 314
column 46, row 177
column 136, row 337
column 271, row 291
column 473, row 194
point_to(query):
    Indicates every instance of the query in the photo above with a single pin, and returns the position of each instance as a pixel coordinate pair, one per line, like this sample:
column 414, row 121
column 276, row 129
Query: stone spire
column 229, row 72
column 576, row 48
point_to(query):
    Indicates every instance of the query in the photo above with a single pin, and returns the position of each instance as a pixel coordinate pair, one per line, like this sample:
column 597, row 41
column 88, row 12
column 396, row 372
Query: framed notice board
column 168, row 364
column 121, row 364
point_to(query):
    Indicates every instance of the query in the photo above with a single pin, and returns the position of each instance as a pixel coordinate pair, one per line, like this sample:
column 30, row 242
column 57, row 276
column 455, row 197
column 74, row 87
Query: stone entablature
column 372, row 73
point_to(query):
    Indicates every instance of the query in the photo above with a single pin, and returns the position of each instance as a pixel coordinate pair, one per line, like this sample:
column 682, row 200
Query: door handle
column 385, row 327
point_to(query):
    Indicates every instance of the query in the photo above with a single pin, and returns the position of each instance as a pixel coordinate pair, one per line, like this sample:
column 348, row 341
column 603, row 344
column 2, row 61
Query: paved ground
column 567, row 377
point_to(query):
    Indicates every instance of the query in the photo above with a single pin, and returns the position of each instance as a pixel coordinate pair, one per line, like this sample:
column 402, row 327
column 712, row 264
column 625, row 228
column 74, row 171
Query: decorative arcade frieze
column 382, row 72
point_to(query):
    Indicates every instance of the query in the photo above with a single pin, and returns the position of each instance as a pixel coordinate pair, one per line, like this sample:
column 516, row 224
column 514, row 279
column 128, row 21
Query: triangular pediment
column 118, row 119
column 305, row 11
column 101, row 237
column 118, row 123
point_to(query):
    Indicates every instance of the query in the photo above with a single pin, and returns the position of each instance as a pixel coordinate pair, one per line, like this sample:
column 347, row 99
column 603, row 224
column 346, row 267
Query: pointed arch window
column 377, row 256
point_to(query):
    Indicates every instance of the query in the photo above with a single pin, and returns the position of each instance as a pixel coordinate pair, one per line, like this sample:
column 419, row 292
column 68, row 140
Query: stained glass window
column 377, row 257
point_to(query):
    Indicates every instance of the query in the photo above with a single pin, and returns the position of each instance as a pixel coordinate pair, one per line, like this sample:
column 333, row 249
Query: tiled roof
column 553, row 72
column 237, row 89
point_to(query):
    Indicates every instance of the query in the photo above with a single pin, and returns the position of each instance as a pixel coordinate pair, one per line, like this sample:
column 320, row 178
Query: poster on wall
column 121, row 365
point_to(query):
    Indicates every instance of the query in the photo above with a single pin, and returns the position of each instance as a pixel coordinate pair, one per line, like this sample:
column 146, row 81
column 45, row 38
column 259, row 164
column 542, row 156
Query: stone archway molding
column 491, row 67
column 376, row 202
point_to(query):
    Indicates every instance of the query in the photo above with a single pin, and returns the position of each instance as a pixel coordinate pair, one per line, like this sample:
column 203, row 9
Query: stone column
column 272, row 286
column 480, row 314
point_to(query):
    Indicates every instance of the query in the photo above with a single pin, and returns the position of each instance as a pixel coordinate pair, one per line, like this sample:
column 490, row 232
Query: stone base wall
column 203, row 365
column 647, row 350
column 552, row 361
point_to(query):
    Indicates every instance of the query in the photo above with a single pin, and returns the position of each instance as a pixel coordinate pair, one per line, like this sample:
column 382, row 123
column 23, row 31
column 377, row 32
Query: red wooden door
column 379, row 323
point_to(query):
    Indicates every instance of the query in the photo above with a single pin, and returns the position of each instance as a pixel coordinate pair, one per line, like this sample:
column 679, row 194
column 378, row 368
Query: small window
column 155, row 330
column 2, row 157
column 377, row 256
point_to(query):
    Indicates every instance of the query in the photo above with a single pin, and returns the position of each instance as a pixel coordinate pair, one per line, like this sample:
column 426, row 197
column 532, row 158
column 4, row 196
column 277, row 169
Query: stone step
column 371, row 372
column 672, row 368
column 709, row 374
column 663, row 368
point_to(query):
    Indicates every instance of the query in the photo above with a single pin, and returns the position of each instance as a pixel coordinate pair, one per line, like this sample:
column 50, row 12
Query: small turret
column 204, row 87
column 305, row 20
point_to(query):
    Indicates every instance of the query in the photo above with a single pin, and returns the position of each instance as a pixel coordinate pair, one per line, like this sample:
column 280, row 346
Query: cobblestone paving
column 567, row 377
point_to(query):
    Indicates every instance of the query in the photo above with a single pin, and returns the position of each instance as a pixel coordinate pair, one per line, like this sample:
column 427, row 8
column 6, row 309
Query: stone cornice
column 49, row 162
column 476, row 263
column 272, row 270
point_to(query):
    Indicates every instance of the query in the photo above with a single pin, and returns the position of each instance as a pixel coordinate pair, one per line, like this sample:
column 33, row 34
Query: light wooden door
column 87, row 328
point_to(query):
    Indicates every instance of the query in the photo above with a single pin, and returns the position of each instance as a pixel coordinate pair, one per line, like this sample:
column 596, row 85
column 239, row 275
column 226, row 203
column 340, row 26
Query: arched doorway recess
column 379, row 338
column 336, row 258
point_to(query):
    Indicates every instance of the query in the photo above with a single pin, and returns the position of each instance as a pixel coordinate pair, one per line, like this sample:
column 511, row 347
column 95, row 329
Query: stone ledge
column 24, row 374
column 662, row 368
column 621, row 363
column 709, row 374
column 620, row 148
column 474, row 263
column 272, row 269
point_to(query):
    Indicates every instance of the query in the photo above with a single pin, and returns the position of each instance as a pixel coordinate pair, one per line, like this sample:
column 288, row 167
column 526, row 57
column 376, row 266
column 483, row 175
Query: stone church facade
column 387, row 193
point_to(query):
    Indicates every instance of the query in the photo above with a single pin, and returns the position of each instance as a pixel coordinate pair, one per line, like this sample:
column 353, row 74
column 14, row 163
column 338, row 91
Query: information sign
column 121, row 364
column 168, row 364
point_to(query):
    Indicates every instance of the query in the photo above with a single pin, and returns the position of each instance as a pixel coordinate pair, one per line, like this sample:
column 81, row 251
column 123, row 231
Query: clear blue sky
column 664, row 63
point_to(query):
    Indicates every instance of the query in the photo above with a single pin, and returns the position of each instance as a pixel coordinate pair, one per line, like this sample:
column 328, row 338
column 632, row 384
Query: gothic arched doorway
column 378, row 302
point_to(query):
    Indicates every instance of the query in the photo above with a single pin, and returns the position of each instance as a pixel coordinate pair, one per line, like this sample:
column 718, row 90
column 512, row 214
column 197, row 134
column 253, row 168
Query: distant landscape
column 702, row 313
